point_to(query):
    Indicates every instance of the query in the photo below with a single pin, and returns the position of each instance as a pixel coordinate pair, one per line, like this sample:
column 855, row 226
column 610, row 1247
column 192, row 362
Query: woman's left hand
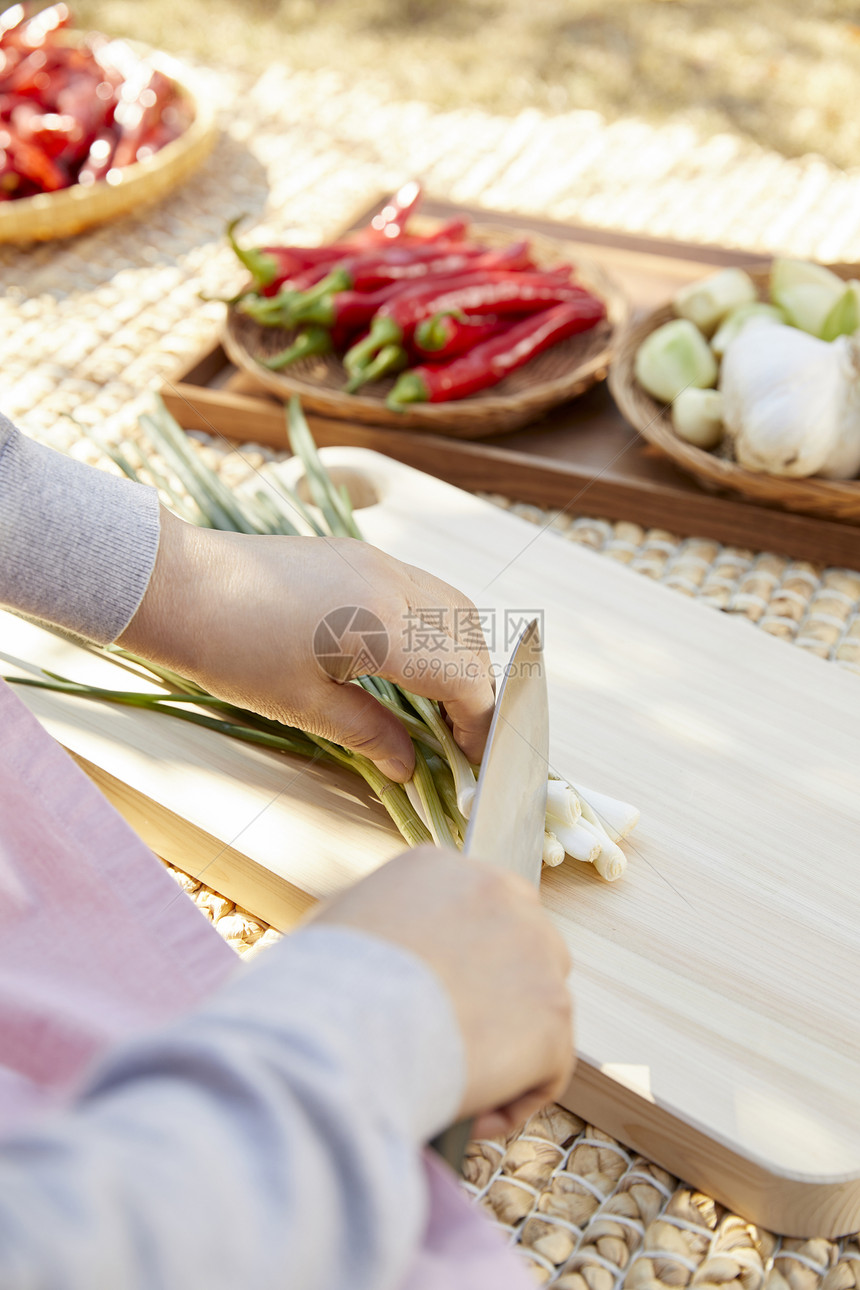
column 279, row 624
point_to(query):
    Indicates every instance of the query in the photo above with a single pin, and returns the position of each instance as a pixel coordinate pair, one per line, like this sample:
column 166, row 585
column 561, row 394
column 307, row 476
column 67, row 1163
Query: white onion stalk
column 562, row 804
column 553, row 851
column 588, row 826
column 579, row 841
column 614, row 817
column 415, row 802
column 610, row 861
column 465, row 783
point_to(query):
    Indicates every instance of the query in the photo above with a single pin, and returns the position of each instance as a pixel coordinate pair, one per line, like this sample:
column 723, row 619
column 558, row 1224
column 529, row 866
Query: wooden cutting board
column 716, row 984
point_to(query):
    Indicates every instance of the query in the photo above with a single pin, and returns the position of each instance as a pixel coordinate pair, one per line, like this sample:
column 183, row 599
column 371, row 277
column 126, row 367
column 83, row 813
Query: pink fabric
column 97, row 945
column 461, row 1250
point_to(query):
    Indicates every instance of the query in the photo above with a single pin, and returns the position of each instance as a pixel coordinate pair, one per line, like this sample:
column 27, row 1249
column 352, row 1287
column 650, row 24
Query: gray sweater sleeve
column 77, row 545
column 271, row 1139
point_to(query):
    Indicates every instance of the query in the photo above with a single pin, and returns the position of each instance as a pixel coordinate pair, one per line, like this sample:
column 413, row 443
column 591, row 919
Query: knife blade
column 507, row 820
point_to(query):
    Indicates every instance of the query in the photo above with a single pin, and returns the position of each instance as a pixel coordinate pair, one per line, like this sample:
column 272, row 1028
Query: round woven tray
column 71, row 210
column 561, row 373
column 716, row 471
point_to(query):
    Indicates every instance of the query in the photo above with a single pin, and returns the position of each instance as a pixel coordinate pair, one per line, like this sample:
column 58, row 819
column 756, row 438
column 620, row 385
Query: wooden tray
column 716, row 983
column 583, row 457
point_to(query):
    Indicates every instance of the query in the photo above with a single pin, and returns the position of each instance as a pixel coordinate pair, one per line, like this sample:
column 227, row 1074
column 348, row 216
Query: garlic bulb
column 733, row 323
column 791, row 402
column 843, row 460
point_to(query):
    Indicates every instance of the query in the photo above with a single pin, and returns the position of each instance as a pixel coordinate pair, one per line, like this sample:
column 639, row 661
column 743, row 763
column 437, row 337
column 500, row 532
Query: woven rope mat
column 88, row 327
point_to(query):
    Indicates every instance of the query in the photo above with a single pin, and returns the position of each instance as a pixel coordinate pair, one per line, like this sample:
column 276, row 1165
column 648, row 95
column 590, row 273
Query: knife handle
column 451, row 1144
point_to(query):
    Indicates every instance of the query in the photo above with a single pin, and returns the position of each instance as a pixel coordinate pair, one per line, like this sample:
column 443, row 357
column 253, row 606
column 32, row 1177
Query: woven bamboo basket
column 717, row 471
column 72, row 210
column 561, row 373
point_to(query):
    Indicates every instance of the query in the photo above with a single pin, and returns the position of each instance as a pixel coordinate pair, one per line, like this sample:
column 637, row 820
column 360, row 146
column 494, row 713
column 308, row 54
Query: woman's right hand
column 502, row 963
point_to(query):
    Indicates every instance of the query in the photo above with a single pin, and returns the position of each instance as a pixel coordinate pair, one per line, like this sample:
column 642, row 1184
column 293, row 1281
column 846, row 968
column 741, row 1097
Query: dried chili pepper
column 137, row 119
column 31, row 162
column 99, row 158
column 487, row 364
column 37, row 30
column 10, row 21
column 494, row 292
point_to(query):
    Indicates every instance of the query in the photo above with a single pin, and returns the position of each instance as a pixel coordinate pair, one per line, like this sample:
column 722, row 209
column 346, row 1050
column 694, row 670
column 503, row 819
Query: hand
column 240, row 615
column 504, row 966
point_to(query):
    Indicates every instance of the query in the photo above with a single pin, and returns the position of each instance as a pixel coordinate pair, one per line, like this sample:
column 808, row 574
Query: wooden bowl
column 717, row 471
column 559, row 374
column 71, row 210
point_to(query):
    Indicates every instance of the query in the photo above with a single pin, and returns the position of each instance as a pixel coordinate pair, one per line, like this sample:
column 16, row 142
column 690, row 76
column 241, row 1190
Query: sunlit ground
column 784, row 74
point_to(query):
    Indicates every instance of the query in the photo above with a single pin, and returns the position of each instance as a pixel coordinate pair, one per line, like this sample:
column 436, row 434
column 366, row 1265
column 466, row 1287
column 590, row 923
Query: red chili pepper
column 271, row 266
column 491, row 362
column 445, row 335
column 346, row 310
column 367, row 272
column 454, row 230
column 480, row 293
column 390, row 223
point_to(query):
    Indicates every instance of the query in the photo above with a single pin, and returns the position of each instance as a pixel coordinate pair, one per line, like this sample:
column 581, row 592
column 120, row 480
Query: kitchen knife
column 507, row 820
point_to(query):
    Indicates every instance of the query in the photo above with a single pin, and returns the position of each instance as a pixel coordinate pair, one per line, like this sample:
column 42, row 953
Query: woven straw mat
column 89, row 327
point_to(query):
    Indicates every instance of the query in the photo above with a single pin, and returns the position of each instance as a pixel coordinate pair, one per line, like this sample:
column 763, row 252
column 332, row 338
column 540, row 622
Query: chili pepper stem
column 409, row 388
column 432, row 333
column 261, row 267
column 337, row 280
column 383, row 331
column 312, row 341
column 319, row 311
column 270, row 311
column 391, row 358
